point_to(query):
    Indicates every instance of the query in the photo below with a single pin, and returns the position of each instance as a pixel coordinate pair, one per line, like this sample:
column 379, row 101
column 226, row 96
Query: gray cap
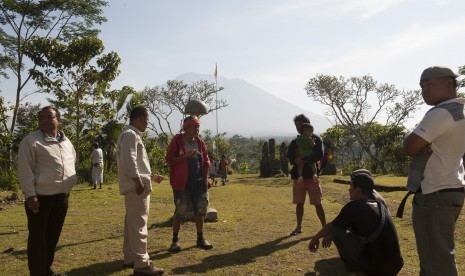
column 437, row 72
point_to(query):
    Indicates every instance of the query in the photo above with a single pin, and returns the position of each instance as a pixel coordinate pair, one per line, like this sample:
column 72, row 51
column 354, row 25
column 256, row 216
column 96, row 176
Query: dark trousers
column 44, row 232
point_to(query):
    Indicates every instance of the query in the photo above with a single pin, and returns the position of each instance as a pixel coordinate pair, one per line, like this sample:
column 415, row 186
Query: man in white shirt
column 97, row 165
column 437, row 145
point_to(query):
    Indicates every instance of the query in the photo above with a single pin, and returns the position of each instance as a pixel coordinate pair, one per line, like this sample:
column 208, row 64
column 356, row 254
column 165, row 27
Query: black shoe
column 204, row 244
column 175, row 247
column 148, row 270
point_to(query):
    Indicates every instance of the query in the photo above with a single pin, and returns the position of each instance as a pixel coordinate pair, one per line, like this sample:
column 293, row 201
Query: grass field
column 250, row 238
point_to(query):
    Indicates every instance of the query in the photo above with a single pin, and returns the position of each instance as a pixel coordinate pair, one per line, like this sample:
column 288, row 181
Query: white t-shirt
column 444, row 127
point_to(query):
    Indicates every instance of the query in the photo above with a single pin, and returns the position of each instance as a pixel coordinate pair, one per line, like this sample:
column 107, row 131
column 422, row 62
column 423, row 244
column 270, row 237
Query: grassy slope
column 250, row 238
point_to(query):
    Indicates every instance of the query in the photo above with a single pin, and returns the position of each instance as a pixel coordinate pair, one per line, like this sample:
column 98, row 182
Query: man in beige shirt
column 134, row 178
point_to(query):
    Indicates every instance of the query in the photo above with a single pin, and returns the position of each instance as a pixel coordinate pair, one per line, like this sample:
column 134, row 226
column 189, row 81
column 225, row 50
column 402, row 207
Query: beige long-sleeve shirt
column 46, row 166
column 132, row 160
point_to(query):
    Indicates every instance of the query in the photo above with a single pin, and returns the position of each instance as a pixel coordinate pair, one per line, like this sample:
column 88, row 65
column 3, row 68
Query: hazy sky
column 278, row 45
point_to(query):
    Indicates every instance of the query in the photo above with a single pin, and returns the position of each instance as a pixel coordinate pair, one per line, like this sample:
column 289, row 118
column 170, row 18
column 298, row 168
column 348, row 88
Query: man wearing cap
column 363, row 233
column 187, row 157
column 375, row 195
column 300, row 189
column 439, row 189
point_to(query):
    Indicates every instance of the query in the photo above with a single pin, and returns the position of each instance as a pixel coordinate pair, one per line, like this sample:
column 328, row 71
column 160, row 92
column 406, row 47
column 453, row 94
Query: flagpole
column 216, row 101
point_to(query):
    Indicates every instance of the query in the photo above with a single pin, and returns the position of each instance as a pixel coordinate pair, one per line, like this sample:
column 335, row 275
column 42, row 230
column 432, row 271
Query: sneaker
column 148, row 271
column 175, row 247
column 204, row 244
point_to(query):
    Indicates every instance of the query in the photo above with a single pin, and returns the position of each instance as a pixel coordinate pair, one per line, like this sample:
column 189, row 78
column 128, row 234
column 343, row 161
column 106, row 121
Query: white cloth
column 96, row 156
column 97, row 166
column 132, row 160
column 45, row 165
column 443, row 126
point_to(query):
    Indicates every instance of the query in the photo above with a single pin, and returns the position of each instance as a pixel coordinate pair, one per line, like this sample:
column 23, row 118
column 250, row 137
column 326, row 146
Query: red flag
column 216, row 71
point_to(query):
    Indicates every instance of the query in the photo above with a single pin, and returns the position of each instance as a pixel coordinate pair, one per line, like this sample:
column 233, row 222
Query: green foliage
column 156, row 156
column 9, row 180
column 384, row 142
column 243, row 168
column 80, row 87
column 27, row 122
column 357, row 105
column 23, row 19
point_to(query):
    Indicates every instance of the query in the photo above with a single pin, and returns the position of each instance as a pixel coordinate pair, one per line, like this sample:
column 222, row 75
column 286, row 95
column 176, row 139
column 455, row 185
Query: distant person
column 363, row 232
column 223, row 169
column 306, row 144
column 135, row 183
column 308, row 185
column 213, row 171
column 46, row 173
column 436, row 146
column 97, row 166
column 187, row 157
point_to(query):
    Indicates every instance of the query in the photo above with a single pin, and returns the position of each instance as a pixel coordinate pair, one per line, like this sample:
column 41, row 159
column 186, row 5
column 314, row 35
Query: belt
column 454, row 190
column 400, row 209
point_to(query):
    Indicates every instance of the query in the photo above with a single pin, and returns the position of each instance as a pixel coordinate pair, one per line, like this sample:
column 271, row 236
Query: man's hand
column 139, row 185
column 326, row 242
column 314, row 245
column 33, row 204
column 157, row 178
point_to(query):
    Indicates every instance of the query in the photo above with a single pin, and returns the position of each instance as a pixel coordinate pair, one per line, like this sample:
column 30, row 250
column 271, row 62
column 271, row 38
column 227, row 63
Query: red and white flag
column 216, row 71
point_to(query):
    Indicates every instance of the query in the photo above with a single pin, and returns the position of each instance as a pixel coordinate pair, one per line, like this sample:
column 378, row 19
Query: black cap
column 364, row 181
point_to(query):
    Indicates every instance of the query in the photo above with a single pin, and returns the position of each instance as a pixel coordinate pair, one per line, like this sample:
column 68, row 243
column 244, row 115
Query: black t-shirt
column 363, row 218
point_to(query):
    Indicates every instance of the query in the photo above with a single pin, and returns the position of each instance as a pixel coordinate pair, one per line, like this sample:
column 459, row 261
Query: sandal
column 296, row 231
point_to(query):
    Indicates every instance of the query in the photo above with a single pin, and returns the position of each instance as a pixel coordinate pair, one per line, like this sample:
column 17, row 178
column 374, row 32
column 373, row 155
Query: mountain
column 251, row 111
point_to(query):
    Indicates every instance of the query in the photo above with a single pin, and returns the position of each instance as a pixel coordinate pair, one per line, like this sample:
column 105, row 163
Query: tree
column 27, row 122
column 357, row 103
column 110, row 131
column 162, row 101
column 21, row 20
column 79, row 85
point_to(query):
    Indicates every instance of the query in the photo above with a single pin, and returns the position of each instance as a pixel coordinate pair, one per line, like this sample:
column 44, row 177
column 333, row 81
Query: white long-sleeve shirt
column 45, row 165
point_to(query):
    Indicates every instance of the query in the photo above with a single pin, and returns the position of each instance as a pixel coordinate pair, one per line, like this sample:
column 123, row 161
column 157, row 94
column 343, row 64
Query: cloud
column 369, row 8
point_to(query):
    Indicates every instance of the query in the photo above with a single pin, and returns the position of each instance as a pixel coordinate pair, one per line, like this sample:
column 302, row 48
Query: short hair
column 57, row 113
column 138, row 111
column 364, row 181
column 301, row 118
column 96, row 145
